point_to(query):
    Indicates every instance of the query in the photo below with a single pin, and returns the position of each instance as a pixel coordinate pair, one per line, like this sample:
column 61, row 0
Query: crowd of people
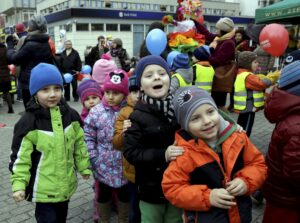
column 158, row 140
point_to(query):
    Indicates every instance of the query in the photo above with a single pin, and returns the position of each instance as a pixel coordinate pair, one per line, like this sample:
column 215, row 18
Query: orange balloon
column 274, row 39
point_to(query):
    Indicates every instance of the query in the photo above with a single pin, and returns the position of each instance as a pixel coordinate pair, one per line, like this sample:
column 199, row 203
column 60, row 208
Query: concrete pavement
column 81, row 206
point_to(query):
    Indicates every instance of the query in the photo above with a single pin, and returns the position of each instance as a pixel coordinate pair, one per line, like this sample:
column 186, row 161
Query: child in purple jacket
column 106, row 161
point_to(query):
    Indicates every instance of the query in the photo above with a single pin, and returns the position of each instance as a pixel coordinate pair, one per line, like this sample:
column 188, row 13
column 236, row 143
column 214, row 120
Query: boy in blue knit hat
column 183, row 73
column 47, row 147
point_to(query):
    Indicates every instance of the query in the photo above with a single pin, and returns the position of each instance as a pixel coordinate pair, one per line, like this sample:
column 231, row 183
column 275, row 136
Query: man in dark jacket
column 97, row 51
column 70, row 63
column 34, row 50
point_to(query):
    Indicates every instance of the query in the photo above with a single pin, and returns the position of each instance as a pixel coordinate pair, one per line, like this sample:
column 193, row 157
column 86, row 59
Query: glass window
column 138, row 28
column 172, row 8
column 82, row 27
column 111, row 27
column 124, row 5
column 97, row 27
column 125, row 27
column 69, row 27
column 147, row 6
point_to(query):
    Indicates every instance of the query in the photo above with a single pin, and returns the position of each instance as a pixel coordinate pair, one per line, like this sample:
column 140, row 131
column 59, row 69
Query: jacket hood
column 281, row 104
column 187, row 74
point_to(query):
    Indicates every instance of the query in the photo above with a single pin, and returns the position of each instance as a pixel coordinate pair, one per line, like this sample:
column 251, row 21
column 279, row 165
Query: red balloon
column 274, row 39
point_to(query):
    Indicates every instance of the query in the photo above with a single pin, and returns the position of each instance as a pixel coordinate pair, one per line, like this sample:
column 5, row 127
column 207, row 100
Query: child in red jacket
column 220, row 167
column 282, row 186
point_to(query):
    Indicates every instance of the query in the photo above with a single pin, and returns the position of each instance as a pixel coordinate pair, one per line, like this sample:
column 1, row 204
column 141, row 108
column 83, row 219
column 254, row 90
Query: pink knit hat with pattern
column 116, row 81
column 101, row 68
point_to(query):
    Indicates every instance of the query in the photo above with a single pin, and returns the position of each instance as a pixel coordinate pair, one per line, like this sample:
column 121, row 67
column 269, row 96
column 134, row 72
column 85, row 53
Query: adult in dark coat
column 5, row 85
column 34, row 50
column 282, row 186
column 97, row 51
column 70, row 62
column 223, row 51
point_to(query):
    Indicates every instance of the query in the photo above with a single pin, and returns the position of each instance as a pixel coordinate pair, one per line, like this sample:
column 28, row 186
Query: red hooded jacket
column 282, row 186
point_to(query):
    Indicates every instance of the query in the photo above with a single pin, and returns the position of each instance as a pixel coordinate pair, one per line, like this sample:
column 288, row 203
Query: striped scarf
column 166, row 105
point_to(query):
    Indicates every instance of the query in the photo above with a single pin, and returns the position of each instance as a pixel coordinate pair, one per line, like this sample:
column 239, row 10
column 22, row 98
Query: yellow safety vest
column 240, row 94
column 204, row 76
column 182, row 82
column 13, row 87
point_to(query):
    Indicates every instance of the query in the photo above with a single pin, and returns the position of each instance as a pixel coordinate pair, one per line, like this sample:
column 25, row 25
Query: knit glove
column 274, row 76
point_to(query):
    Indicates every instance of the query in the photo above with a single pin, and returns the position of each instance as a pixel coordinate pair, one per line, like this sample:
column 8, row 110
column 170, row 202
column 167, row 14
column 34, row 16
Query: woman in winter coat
column 34, row 50
column 222, row 46
column 119, row 55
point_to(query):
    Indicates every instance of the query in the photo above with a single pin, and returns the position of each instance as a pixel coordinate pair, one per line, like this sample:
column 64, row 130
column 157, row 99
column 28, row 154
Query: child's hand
column 220, row 198
column 239, row 128
column 126, row 125
column 173, row 151
column 19, row 195
column 85, row 176
column 236, row 187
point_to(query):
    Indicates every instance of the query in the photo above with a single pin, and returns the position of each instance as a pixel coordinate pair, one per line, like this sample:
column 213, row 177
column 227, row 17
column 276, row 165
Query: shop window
column 125, row 27
column 111, row 27
column 82, row 27
column 97, row 27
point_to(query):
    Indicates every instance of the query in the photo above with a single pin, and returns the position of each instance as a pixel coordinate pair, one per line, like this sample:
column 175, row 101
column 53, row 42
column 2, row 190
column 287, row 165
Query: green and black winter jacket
column 47, row 149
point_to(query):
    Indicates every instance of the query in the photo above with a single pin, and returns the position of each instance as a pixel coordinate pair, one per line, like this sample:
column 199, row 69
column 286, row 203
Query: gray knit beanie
column 225, row 24
column 37, row 22
column 187, row 100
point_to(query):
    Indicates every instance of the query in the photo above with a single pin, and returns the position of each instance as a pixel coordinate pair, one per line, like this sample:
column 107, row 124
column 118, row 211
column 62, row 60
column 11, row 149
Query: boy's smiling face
column 205, row 123
column 155, row 82
column 49, row 96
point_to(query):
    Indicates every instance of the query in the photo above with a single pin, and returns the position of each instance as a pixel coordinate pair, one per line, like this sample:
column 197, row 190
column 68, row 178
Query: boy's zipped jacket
column 188, row 181
column 47, row 150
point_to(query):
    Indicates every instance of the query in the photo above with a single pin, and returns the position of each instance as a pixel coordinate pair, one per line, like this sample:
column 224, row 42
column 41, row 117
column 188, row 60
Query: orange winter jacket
column 118, row 139
column 188, row 180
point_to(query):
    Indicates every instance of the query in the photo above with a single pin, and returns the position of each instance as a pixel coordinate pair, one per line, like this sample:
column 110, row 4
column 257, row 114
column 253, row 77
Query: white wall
column 248, row 7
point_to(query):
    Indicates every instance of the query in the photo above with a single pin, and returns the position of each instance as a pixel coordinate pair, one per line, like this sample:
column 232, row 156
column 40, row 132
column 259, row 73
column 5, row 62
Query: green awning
column 286, row 11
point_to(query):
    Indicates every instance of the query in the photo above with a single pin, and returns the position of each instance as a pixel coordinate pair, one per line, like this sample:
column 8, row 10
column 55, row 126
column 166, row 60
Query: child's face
column 113, row 98
column 134, row 96
column 254, row 65
column 205, row 122
column 49, row 96
column 155, row 82
column 90, row 101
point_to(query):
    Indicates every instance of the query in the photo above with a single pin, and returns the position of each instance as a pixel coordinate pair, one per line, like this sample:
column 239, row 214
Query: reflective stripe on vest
column 13, row 87
column 204, row 77
column 240, row 93
column 182, row 82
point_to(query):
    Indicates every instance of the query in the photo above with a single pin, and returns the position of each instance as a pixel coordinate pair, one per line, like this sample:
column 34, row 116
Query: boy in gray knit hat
column 219, row 168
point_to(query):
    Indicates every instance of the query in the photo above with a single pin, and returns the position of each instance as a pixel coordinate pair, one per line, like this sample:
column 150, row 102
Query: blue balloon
column 156, row 41
column 68, row 78
column 171, row 57
column 86, row 69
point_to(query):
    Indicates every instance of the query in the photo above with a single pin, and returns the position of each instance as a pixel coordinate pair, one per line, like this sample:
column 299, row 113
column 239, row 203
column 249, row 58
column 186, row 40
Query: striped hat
column 290, row 78
column 87, row 88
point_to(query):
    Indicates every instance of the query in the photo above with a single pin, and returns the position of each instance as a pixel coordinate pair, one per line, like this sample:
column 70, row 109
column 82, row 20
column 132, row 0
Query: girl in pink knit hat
column 106, row 161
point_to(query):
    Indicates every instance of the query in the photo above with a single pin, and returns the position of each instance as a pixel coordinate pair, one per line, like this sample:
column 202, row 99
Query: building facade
column 85, row 20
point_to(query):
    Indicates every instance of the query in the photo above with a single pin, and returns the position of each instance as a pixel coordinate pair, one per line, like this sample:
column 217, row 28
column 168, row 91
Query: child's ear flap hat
column 187, row 100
